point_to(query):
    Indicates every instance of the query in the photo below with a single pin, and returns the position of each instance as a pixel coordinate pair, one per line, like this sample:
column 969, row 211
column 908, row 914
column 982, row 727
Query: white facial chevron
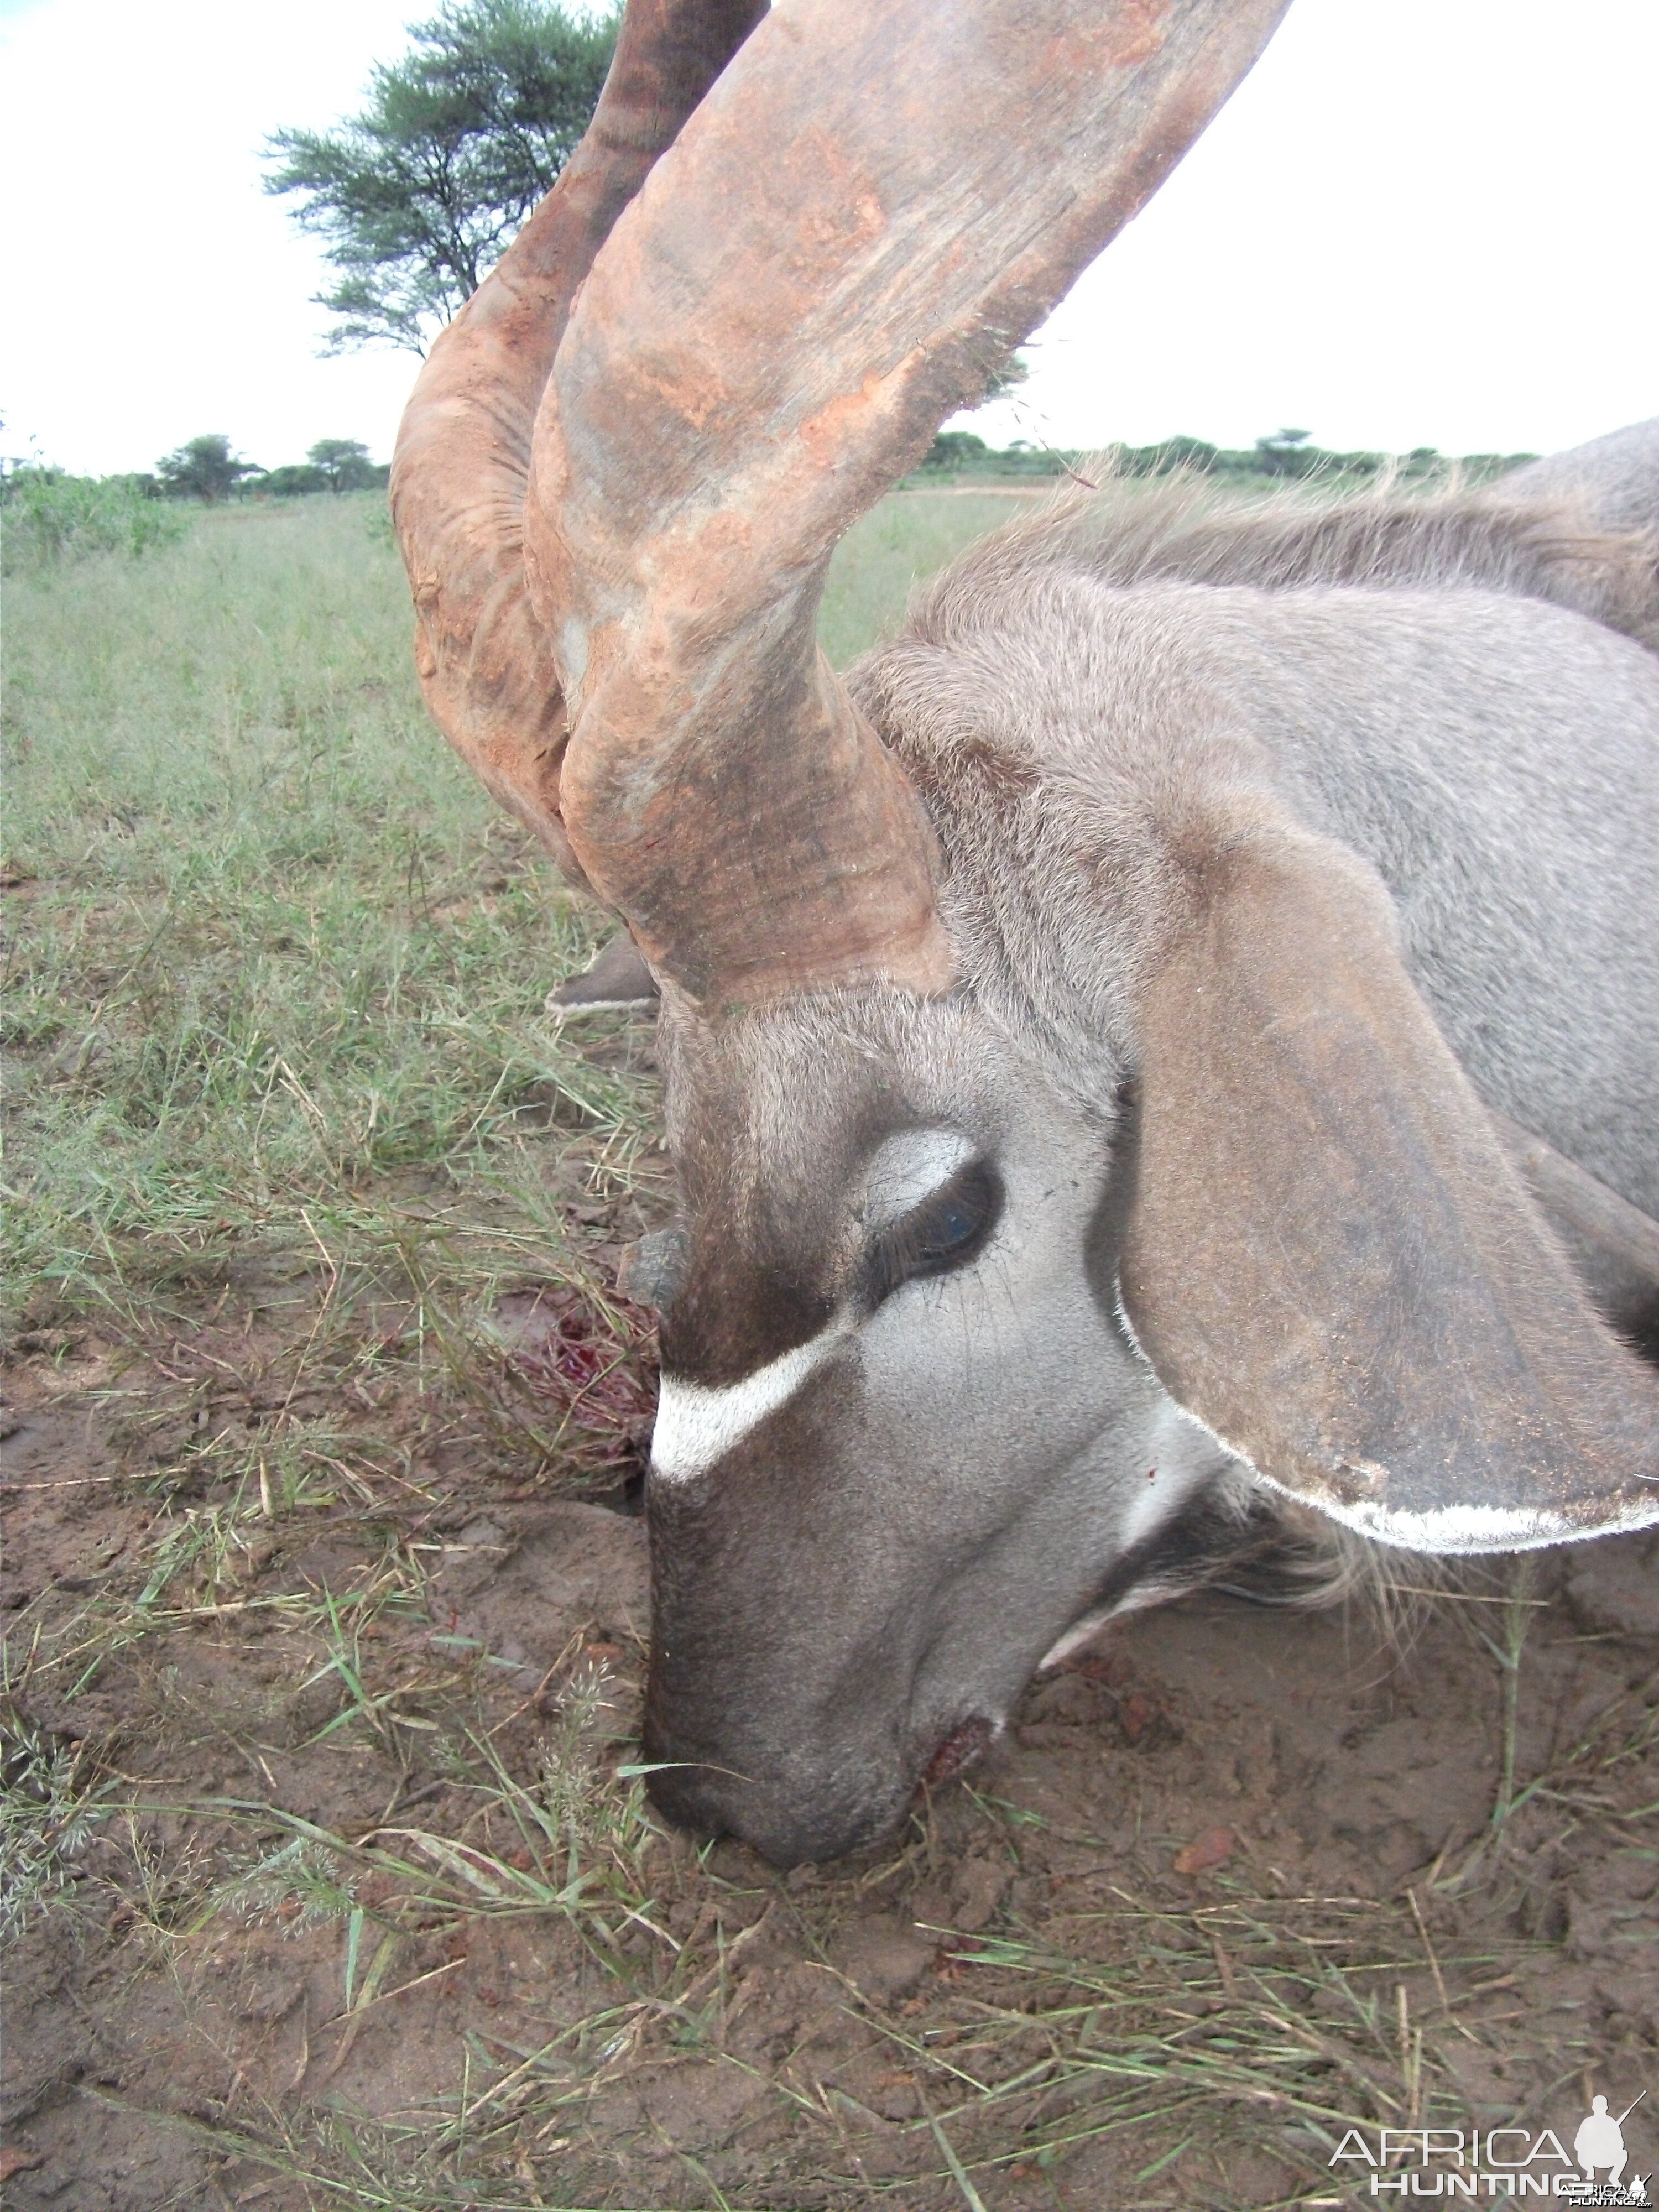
column 696, row 1426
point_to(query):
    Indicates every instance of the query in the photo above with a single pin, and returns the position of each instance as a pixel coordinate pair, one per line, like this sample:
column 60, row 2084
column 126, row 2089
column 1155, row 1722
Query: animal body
column 1108, row 1039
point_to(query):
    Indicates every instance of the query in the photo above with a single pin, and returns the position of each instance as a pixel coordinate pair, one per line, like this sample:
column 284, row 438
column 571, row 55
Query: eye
column 946, row 1230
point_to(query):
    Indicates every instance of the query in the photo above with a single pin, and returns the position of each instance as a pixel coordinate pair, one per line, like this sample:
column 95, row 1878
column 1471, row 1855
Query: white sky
column 1419, row 222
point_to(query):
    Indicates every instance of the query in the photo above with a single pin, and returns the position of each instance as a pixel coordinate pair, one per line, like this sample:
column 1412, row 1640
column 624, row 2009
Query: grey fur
column 1614, row 480
column 1458, row 694
column 1407, row 675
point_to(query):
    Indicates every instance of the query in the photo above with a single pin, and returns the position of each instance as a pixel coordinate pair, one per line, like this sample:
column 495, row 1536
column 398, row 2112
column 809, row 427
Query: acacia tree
column 204, row 468
column 343, row 463
column 419, row 196
column 1287, row 453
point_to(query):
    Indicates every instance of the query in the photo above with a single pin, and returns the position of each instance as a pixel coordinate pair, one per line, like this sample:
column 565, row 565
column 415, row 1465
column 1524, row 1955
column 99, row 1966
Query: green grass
column 47, row 519
column 271, row 949
column 47, row 1813
column 271, row 942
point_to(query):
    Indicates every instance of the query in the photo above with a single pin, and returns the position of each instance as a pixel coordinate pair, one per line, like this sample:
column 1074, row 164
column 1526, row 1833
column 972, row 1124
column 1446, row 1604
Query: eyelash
column 944, row 1233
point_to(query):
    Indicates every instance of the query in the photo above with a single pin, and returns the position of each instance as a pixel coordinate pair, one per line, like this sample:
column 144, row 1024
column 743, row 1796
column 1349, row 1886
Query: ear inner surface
column 1329, row 1258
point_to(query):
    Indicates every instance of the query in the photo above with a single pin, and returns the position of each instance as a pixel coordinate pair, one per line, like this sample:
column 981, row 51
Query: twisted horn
column 463, row 454
column 872, row 205
column 617, row 509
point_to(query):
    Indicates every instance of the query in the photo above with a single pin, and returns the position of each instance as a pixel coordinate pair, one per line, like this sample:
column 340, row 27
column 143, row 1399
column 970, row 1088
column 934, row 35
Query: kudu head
column 962, row 1338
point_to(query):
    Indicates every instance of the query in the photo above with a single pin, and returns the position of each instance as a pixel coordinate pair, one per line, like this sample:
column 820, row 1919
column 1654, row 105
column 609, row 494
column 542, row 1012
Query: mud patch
column 524, row 1584
column 354, row 1896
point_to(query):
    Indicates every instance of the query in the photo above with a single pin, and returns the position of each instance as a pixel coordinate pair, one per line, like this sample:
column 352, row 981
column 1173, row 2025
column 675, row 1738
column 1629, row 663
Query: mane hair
column 1292, row 1556
column 1124, row 533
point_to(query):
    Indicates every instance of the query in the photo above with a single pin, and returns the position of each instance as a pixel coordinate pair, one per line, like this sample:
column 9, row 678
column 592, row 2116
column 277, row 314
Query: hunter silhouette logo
column 1600, row 2142
column 1495, row 2162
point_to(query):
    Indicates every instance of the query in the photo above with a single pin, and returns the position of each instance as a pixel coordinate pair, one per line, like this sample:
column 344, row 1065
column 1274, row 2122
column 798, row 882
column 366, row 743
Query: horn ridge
column 462, row 459
column 806, row 284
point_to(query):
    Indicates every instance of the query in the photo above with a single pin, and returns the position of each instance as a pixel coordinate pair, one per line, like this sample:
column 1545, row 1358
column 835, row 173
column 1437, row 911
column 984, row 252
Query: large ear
column 1328, row 1256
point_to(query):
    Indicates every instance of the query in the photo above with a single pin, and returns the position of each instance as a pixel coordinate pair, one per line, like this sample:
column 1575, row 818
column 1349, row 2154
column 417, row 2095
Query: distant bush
column 1287, row 453
column 1021, row 459
column 953, row 450
column 344, row 464
column 47, row 517
column 292, row 481
column 204, row 468
column 960, row 453
column 335, row 465
column 1290, row 453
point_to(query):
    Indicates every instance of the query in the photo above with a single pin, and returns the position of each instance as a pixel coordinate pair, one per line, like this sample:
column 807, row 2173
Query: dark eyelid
column 930, row 1241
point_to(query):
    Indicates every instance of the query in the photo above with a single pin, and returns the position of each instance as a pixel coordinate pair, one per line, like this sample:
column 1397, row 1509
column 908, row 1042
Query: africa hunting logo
column 1447, row 2162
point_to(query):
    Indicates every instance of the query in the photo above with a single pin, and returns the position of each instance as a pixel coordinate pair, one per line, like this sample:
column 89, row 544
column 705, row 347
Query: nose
column 787, row 1836
column 788, row 1819
column 765, row 1719
column 686, row 1794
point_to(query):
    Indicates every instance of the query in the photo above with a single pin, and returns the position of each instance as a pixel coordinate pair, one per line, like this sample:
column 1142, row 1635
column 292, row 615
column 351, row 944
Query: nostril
column 959, row 1750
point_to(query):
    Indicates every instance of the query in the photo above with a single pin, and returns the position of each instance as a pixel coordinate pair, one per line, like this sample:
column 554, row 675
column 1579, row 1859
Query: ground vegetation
column 1284, row 453
column 48, row 517
column 327, row 1871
